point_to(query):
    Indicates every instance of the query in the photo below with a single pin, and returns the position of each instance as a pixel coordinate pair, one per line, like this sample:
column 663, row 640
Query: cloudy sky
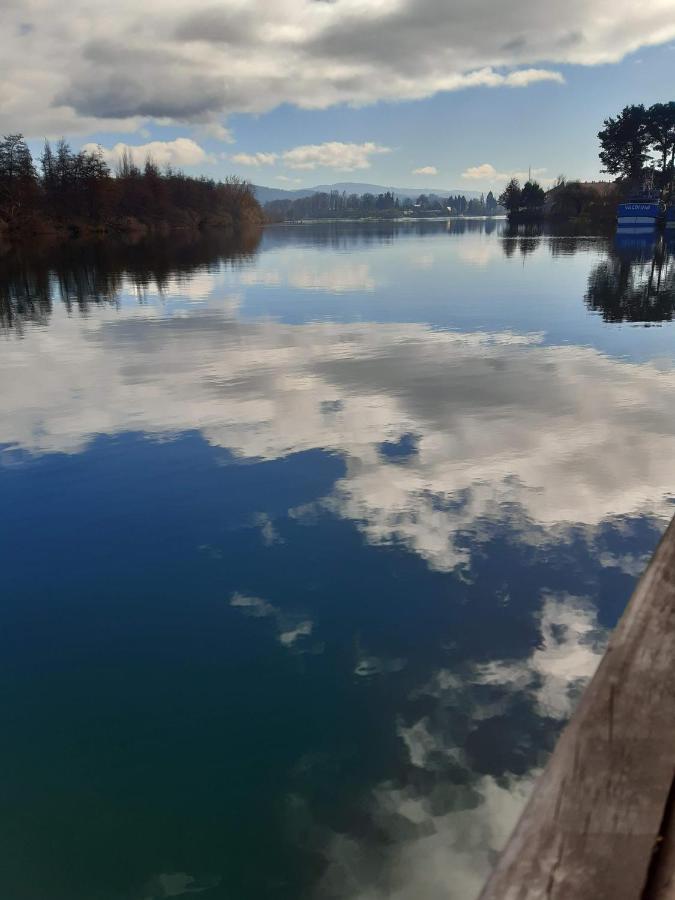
column 444, row 93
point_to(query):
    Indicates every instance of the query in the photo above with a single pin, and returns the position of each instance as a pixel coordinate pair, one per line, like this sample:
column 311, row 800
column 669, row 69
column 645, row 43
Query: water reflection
column 324, row 590
column 560, row 240
column 78, row 274
column 636, row 281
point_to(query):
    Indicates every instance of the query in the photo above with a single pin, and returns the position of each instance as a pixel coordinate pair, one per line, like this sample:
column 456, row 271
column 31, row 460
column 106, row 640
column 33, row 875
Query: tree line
column 77, row 191
column 339, row 204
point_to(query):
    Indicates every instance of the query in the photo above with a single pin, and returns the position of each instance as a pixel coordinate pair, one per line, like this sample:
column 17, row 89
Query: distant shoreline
column 390, row 219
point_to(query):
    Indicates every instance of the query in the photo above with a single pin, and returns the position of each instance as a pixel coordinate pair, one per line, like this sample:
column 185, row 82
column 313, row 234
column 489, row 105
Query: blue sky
column 426, row 94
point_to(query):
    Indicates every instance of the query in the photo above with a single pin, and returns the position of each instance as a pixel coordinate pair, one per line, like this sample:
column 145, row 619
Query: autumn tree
column 18, row 179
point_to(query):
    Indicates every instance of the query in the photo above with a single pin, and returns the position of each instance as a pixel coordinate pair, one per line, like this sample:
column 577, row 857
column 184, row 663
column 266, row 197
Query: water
column 309, row 545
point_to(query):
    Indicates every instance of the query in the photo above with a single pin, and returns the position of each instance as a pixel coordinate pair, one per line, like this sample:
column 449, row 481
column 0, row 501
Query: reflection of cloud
column 430, row 854
column 178, row 884
column 257, row 275
column 435, row 833
column 571, row 648
column 336, row 280
column 423, row 261
column 268, row 532
column 422, row 744
column 253, row 606
column 628, row 563
column 291, row 627
column 302, row 629
column 549, row 435
column 479, row 253
column 196, row 286
column 367, row 666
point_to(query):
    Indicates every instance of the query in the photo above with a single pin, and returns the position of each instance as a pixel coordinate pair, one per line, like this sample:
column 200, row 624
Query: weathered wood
column 592, row 823
column 661, row 881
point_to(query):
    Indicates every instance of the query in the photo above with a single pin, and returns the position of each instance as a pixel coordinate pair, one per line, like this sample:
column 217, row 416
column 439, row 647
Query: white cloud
column 287, row 179
column 538, row 175
column 180, row 152
column 488, row 173
column 484, row 172
column 218, row 131
column 329, row 155
column 254, row 159
column 333, row 155
column 79, row 70
column 523, row 77
column 425, row 170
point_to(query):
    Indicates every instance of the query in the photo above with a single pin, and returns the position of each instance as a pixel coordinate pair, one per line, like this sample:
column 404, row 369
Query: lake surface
column 309, row 544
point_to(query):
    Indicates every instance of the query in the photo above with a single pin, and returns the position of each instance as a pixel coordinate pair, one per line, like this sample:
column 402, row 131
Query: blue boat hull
column 638, row 213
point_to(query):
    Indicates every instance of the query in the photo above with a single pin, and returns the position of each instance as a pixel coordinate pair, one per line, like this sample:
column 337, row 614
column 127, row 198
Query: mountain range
column 267, row 194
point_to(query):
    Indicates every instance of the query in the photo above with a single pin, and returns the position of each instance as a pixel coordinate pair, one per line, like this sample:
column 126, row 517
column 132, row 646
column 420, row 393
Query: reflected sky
column 312, row 542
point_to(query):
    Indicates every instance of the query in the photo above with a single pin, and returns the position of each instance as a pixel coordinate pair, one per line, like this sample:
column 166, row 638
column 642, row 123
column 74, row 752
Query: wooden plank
column 661, row 883
column 591, row 825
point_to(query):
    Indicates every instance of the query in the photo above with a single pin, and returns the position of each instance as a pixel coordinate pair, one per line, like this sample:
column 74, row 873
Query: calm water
column 308, row 546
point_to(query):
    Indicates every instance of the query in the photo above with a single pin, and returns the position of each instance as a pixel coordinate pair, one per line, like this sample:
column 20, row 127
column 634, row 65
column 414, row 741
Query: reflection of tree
column 342, row 235
column 635, row 283
column 80, row 274
column 524, row 237
column 561, row 238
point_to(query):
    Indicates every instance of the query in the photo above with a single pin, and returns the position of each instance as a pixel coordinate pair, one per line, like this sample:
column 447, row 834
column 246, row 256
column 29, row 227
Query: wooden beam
column 661, row 880
column 592, row 824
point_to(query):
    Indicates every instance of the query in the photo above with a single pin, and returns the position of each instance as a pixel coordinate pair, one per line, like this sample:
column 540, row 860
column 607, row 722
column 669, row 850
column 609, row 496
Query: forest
column 75, row 192
column 340, row 205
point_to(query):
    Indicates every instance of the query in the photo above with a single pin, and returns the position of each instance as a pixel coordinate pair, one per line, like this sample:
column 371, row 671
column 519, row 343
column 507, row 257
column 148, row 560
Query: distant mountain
column 267, row 194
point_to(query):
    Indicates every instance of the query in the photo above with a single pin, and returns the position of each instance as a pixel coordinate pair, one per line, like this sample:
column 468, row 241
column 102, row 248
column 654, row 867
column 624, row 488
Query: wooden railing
column 600, row 824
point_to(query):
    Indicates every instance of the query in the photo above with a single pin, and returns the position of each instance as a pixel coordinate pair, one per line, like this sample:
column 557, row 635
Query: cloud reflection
column 291, row 628
column 571, row 648
column 548, row 436
column 427, row 852
column 435, row 834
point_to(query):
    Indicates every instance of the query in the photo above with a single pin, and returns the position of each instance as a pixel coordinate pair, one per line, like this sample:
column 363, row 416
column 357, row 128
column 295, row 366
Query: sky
column 293, row 93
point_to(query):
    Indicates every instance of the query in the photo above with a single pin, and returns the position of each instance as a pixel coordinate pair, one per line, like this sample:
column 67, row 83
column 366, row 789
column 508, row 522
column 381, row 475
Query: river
column 309, row 543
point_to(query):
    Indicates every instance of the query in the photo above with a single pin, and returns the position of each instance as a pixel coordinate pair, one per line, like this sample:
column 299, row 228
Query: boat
column 642, row 211
column 670, row 216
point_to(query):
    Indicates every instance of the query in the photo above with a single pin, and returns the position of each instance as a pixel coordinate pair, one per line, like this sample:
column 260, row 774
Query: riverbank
column 54, row 228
